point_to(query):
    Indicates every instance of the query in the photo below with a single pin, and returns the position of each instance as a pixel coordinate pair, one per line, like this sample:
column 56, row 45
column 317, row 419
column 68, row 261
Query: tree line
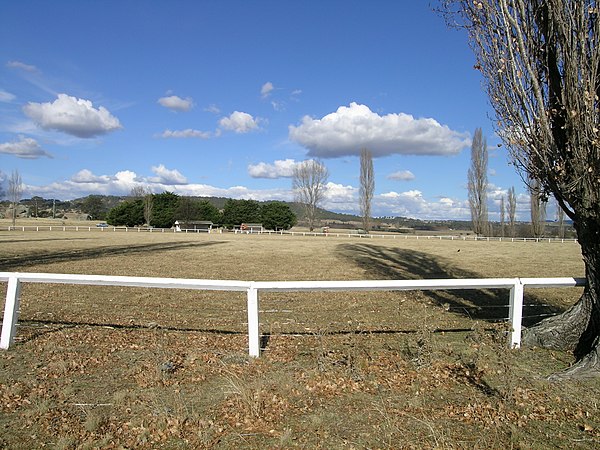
column 162, row 210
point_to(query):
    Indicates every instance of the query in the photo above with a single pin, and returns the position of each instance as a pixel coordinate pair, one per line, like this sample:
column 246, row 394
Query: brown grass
column 102, row 367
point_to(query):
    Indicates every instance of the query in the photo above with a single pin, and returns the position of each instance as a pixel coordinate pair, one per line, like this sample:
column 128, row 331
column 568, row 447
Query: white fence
column 252, row 288
column 402, row 236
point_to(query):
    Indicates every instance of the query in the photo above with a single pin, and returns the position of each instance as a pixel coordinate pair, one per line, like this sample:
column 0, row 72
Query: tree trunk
column 578, row 328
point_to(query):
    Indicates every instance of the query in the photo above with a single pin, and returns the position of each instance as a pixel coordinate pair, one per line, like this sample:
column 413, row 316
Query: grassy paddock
column 106, row 367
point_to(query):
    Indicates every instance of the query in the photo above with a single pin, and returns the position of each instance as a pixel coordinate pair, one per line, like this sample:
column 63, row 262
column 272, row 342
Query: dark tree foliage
column 208, row 211
column 164, row 207
column 237, row 212
column 95, row 207
column 277, row 216
column 129, row 214
column 190, row 209
column 187, row 210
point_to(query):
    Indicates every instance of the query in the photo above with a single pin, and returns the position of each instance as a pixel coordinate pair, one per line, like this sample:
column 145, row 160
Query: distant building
column 199, row 226
column 76, row 216
column 249, row 228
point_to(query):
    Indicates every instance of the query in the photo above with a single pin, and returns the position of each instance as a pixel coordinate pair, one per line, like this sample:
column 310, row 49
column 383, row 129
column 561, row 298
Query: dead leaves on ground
column 101, row 387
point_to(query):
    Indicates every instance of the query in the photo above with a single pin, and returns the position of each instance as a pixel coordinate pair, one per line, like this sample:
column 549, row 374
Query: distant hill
column 40, row 207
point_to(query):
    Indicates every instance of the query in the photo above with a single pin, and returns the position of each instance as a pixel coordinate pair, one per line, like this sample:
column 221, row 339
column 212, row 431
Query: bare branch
column 308, row 182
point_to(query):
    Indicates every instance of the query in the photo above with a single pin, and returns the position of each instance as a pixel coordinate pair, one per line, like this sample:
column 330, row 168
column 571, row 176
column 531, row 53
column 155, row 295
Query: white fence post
column 11, row 312
column 253, row 322
column 516, row 285
column 515, row 313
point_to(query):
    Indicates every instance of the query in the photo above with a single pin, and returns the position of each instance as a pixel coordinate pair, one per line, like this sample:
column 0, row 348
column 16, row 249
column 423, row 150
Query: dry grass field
column 109, row 367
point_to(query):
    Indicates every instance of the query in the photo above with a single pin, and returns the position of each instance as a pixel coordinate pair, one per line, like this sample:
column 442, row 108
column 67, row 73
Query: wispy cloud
column 212, row 108
column 187, row 133
column 266, row 89
column 401, row 175
column 22, row 66
column 6, row 97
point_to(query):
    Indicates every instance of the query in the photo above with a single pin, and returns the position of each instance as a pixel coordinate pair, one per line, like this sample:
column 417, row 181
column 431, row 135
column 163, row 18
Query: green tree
column 187, row 209
column 129, row 214
column 35, row 204
column 94, row 206
column 237, row 212
column 277, row 216
column 208, row 211
column 163, row 209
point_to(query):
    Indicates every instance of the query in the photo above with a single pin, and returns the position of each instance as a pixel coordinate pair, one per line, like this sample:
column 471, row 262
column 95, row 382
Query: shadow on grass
column 45, row 239
column 17, row 262
column 401, row 264
column 31, row 330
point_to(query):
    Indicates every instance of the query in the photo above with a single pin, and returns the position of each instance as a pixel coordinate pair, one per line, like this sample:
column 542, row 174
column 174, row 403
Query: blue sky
column 223, row 97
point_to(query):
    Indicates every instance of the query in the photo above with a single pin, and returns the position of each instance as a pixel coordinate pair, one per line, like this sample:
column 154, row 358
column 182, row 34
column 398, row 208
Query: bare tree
column 144, row 194
column 478, row 184
column 367, row 187
column 137, row 192
column 560, row 218
column 538, row 209
column 540, row 60
column 512, row 210
column 148, row 207
column 1, row 185
column 15, row 191
column 308, row 182
column 502, row 216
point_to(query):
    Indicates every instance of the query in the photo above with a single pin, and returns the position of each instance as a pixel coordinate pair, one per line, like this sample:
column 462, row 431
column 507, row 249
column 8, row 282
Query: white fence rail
column 252, row 288
column 400, row 236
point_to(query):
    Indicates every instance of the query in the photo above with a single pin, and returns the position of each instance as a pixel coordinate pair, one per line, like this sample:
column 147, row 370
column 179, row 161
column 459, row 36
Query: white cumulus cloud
column 167, row 176
column 176, row 103
column 86, row 176
column 279, row 169
column 339, row 197
column 187, row 133
column 239, row 122
column 401, row 175
column 85, row 183
column 413, row 204
column 25, row 148
column 73, row 116
column 351, row 128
